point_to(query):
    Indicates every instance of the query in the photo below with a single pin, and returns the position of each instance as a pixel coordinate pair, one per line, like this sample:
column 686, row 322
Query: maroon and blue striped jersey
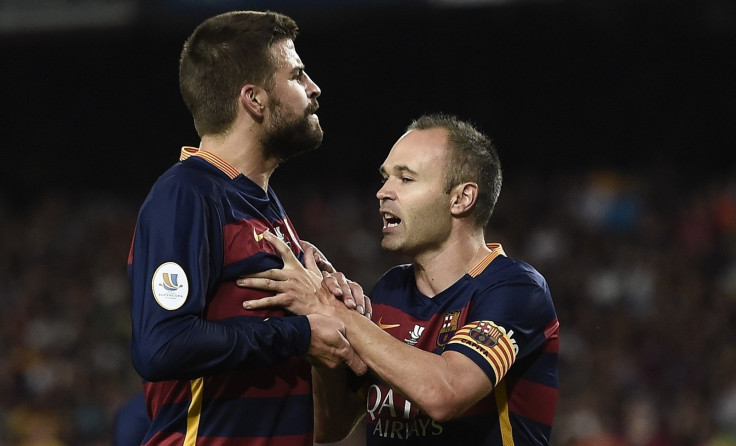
column 215, row 373
column 500, row 315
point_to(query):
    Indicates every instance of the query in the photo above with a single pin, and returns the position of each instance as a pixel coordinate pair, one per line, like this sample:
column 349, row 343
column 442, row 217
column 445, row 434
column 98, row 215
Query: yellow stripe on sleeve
column 502, row 404
column 195, row 411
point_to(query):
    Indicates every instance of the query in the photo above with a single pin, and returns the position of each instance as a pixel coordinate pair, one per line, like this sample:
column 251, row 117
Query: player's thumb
column 355, row 363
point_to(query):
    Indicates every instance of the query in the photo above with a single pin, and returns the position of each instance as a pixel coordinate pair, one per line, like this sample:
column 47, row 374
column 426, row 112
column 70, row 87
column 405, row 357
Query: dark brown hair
column 224, row 53
column 471, row 157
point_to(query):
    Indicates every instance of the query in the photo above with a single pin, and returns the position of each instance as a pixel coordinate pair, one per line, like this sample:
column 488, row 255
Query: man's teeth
column 391, row 220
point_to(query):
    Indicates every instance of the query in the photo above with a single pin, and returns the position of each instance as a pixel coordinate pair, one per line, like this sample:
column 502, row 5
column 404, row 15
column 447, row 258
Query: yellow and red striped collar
column 496, row 250
column 224, row 166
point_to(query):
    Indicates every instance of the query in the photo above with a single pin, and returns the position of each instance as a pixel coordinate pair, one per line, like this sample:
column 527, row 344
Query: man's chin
column 316, row 127
column 316, row 137
column 286, row 145
column 388, row 246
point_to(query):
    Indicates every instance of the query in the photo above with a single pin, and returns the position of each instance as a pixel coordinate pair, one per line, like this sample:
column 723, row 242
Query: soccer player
column 463, row 342
column 215, row 373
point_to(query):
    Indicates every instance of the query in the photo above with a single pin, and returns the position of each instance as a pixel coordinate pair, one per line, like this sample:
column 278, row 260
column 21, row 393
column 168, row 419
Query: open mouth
column 390, row 220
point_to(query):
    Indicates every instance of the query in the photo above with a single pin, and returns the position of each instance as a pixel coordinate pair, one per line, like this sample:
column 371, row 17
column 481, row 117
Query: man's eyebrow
column 400, row 168
column 403, row 168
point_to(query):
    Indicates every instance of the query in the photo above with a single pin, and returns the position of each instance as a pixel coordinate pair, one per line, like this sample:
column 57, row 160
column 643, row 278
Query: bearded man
column 213, row 372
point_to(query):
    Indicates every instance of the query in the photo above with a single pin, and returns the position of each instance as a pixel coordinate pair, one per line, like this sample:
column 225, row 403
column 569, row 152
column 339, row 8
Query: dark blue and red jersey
column 131, row 422
column 214, row 373
column 500, row 315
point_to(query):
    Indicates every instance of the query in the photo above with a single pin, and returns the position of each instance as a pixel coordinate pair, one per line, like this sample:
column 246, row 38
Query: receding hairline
column 404, row 168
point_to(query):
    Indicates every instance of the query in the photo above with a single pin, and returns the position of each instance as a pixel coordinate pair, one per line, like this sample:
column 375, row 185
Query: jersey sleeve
column 175, row 258
column 506, row 322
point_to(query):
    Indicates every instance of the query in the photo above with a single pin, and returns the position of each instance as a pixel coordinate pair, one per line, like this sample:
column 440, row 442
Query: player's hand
column 322, row 263
column 295, row 286
column 329, row 347
column 350, row 292
column 339, row 285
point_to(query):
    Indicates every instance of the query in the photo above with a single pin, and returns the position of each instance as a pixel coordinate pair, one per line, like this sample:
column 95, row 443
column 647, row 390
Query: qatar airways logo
column 396, row 417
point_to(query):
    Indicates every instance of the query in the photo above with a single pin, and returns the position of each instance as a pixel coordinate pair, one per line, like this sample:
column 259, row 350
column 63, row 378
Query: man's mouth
column 390, row 220
column 312, row 109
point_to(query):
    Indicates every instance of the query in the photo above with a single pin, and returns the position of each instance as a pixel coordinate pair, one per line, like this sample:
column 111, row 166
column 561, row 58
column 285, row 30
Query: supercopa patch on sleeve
column 170, row 286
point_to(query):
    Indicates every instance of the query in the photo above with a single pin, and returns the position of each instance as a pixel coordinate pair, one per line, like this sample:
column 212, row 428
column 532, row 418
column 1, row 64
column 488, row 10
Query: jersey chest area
column 421, row 322
column 244, row 251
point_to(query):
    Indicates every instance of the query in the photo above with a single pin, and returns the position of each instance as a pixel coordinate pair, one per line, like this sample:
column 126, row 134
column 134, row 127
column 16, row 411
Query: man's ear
column 463, row 198
column 253, row 100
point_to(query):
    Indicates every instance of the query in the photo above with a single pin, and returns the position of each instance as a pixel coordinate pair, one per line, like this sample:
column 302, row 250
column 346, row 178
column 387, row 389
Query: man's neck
column 437, row 270
column 244, row 154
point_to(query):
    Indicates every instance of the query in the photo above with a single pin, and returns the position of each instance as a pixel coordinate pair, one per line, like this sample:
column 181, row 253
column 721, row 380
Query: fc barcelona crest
column 486, row 333
column 448, row 329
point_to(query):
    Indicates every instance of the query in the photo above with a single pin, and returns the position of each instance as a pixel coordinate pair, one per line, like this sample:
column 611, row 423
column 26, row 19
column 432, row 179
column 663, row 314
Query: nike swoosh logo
column 257, row 236
column 383, row 326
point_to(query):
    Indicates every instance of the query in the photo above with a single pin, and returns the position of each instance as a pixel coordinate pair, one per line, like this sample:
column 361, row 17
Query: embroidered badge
column 448, row 329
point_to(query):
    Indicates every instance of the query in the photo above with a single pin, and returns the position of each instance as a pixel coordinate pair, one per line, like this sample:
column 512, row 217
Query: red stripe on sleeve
column 534, row 401
column 552, row 333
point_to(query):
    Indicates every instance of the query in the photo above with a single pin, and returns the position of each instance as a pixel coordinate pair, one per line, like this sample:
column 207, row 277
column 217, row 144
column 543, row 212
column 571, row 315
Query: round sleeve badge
column 170, row 286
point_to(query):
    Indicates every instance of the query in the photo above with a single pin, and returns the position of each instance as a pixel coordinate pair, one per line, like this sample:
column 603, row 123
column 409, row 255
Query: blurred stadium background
column 614, row 120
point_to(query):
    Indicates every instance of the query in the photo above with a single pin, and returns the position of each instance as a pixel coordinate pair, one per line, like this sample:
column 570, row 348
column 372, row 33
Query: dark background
column 557, row 84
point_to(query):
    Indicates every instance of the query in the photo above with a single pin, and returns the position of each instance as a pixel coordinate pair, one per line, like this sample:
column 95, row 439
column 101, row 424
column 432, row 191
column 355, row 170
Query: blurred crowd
column 642, row 268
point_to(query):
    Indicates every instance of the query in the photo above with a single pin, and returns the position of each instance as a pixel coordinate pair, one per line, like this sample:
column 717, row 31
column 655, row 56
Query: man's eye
column 406, row 180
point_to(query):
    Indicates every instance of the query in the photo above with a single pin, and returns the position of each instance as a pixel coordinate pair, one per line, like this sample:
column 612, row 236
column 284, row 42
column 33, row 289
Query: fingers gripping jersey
column 501, row 316
column 215, row 373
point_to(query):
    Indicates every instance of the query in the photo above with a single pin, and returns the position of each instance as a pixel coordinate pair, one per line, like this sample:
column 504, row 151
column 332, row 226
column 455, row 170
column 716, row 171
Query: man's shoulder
column 507, row 268
column 398, row 272
column 191, row 171
column 396, row 277
column 190, row 176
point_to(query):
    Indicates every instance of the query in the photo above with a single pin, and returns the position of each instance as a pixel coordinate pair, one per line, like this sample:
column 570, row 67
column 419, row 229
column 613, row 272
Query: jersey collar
column 224, row 166
column 496, row 250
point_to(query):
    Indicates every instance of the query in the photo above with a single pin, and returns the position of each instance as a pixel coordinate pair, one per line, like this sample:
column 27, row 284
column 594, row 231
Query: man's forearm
column 443, row 386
